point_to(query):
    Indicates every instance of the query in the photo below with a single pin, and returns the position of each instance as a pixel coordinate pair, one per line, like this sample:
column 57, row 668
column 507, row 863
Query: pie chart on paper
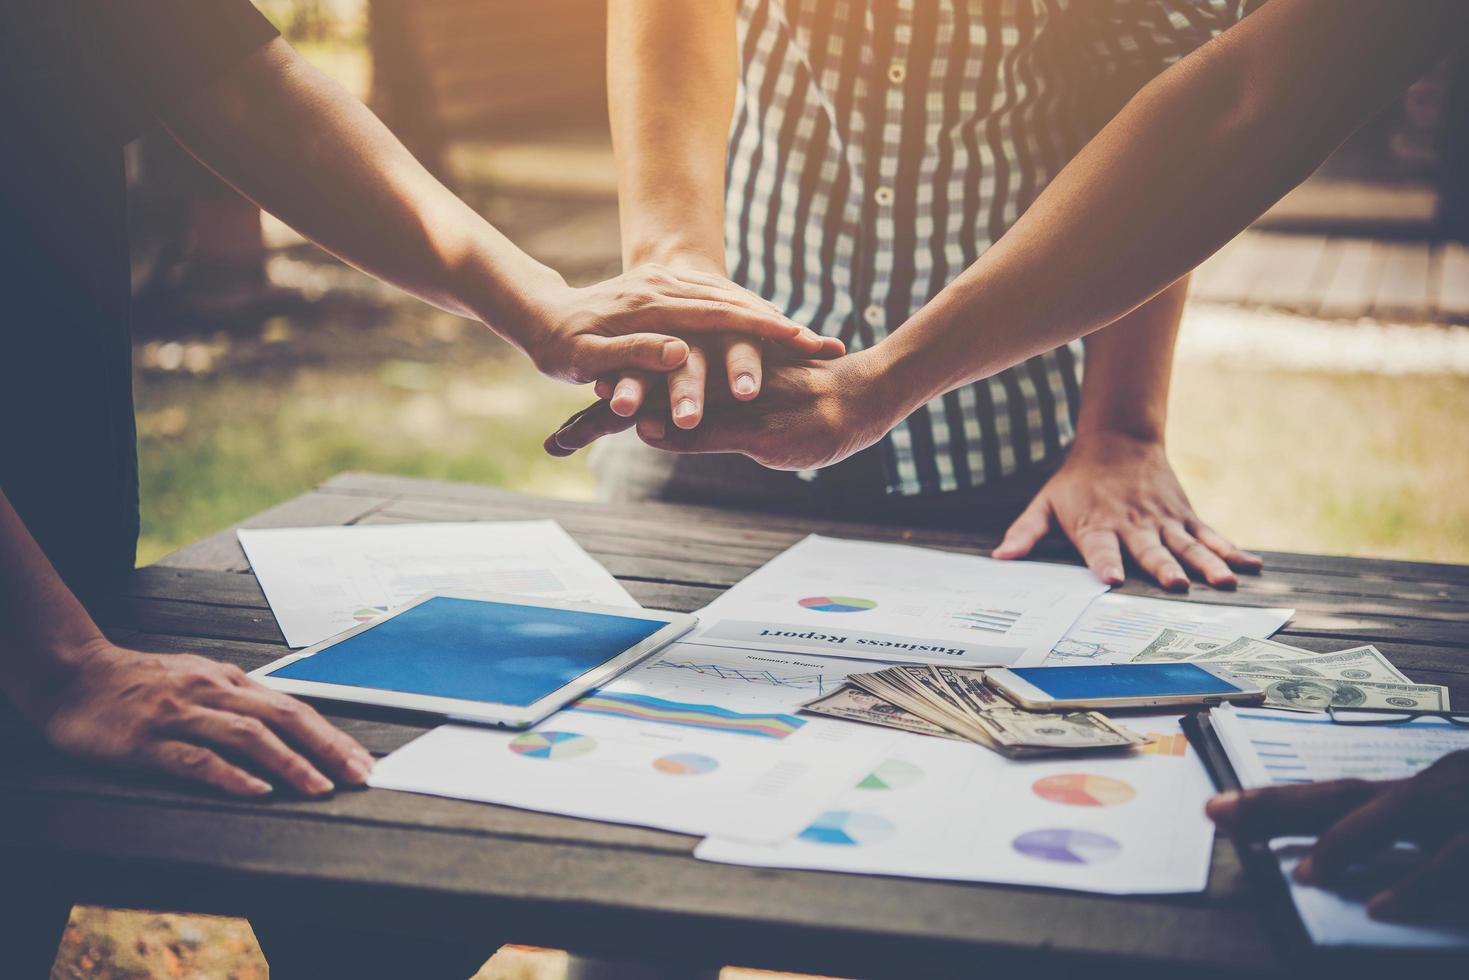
column 1081, row 789
column 552, row 745
column 1067, row 846
column 686, row 764
column 837, row 604
column 849, row 828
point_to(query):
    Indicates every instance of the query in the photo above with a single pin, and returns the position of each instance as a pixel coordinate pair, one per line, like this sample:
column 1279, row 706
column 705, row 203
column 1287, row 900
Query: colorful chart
column 837, row 604
column 892, row 774
column 804, row 681
column 1175, row 745
column 710, row 716
column 1067, row 846
column 1079, row 789
column 552, row 745
column 368, row 613
column 686, row 764
column 849, row 828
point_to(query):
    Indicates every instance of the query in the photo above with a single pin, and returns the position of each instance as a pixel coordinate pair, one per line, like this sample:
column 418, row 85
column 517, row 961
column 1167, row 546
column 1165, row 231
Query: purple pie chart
column 1067, row 846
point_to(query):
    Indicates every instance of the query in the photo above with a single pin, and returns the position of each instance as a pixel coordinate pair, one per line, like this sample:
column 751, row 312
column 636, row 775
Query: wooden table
column 434, row 867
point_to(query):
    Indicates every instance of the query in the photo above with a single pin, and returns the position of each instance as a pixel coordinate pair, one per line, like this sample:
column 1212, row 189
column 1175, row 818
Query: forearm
column 45, row 634
column 1128, row 368
column 305, row 150
column 672, row 72
column 1196, row 156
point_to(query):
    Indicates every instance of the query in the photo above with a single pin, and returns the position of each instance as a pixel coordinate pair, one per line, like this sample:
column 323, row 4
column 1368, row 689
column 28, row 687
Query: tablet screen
column 475, row 650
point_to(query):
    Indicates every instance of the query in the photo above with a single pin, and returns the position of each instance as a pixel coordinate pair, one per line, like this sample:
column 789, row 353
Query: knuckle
column 247, row 729
column 191, row 757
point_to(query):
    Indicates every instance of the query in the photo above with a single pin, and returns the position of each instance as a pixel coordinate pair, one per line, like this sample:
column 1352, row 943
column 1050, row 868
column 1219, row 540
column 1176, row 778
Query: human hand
column 1355, row 819
column 637, row 321
column 812, row 414
column 199, row 720
column 1117, row 491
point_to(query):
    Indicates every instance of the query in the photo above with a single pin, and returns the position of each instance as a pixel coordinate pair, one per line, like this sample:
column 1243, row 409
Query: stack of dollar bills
column 953, row 702
column 1303, row 680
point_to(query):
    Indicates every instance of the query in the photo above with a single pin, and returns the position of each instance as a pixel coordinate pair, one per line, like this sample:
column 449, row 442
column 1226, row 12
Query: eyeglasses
column 1388, row 716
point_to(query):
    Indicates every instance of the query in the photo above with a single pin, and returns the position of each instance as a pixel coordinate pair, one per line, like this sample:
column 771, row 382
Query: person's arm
column 301, row 147
column 672, row 72
column 1193, row 159
column 1197, row 155
column 175, row 713
column 1116, row 490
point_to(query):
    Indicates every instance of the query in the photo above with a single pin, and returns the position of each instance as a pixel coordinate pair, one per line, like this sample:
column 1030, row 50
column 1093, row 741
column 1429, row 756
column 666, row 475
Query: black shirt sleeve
column 172, row 49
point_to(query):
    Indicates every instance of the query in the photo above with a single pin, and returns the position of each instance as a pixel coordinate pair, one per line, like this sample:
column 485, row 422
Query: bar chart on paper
column 1116, row 627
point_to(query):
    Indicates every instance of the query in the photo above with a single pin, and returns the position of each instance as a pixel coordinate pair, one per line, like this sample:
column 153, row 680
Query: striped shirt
column 879, row 147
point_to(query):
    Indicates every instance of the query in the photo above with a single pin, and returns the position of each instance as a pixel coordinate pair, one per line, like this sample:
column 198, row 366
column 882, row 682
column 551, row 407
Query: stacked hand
column 1354, row 819
column 1116, row 493
column 643, row 319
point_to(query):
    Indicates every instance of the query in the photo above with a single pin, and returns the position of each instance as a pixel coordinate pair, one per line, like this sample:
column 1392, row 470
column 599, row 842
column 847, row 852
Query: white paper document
column 895, row 602
column 323, row 580
column 698, row 739
column 1276, row 748
column 1116, row 627
column 934, row 808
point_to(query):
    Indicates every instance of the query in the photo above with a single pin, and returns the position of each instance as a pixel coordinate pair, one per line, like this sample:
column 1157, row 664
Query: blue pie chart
column 848, row 828
column 837, row 604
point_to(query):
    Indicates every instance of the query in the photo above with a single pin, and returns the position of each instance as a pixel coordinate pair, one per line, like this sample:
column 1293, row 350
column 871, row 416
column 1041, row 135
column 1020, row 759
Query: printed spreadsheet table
column 383, row 861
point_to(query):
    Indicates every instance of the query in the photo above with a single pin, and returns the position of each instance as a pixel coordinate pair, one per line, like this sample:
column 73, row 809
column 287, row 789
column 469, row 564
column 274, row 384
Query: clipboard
column 1265, row 877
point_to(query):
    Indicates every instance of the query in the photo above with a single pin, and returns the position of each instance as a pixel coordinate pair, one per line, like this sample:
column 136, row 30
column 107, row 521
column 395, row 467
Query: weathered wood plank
column 1403, row 287
column 613, row 898
column 1453, row 281
column 1356, row 265
column 1282, row 270
column 410, row 492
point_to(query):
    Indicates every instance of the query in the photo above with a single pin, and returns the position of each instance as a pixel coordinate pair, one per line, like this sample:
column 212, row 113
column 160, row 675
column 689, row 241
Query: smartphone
column 1121, row 686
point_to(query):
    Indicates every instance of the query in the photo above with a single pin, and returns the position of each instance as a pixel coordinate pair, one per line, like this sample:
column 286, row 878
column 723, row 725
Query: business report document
column 933, row 808
column 894, row 602
column 320, row 581
column 698, row 739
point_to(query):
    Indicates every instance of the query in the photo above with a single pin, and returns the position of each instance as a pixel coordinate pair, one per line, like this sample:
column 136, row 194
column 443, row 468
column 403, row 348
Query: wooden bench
column 423, row 866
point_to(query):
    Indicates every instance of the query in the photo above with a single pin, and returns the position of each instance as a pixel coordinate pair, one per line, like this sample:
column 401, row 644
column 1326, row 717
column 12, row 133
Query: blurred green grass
column 1339, row 464
column 217, row 447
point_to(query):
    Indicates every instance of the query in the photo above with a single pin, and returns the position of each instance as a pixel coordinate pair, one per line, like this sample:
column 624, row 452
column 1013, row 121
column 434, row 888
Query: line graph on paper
column 814, row 682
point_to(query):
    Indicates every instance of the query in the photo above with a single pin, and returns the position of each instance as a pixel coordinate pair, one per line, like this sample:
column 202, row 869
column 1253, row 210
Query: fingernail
column 1305, row 871
column 1113, row 576
column 260, row 787
column 318, row 783
column 359, row 768
column 684, row 408
column 654, row 429
column 744, row 385
column 674, row 352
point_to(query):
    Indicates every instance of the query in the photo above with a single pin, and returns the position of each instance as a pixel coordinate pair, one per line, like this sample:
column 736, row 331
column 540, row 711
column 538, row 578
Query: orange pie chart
column 1081, row 789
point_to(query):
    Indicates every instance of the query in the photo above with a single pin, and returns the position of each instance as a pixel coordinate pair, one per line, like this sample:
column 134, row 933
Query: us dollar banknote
column 1365, row 663
column 1319, row 693
column 852, row 703
column 1172, row 644
column 1248, row 649
column 1053, row 730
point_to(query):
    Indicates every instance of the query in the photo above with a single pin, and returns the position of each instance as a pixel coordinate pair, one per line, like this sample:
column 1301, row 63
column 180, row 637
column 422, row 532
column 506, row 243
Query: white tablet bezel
column 483, row 712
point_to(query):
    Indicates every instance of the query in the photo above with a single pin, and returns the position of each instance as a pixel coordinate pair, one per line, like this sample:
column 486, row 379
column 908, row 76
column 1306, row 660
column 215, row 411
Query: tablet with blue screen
column 503, row 660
